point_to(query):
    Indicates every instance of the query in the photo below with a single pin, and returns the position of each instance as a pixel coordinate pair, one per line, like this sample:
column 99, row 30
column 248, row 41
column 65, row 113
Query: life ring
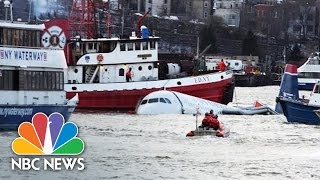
column 54, row 37
column 99, row 57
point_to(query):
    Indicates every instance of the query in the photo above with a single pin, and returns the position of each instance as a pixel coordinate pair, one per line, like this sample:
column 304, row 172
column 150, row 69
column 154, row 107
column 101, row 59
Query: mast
column 82, row 19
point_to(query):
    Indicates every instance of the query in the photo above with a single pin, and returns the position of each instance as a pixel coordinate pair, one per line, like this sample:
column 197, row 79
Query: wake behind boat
column 31, row 77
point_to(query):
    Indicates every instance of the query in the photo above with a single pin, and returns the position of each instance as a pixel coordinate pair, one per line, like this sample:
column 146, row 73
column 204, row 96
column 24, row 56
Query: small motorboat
column 210, row 126
column 205, row 131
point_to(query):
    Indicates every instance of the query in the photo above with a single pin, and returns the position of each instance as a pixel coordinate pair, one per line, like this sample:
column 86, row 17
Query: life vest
column 222, row 66
column 128, row 74
column 211, row 122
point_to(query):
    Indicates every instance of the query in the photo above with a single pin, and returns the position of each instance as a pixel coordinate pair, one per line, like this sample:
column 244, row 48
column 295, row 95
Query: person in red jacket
column 129, row 75
column 222, row 65
column 211, row 121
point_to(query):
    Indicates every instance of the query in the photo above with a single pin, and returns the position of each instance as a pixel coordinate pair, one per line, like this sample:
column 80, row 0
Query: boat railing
column 30, row 47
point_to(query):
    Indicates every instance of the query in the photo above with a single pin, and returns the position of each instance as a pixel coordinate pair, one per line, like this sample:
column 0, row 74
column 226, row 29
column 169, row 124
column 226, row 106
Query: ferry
column 97, row 69
column 309, row 72
column 31, row 76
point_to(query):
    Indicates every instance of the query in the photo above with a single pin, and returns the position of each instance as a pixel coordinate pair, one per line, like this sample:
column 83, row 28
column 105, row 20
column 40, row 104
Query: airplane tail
column 289, row 85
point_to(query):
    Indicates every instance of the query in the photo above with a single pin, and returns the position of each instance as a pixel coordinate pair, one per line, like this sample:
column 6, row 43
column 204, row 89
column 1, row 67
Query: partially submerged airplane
column 171, row 102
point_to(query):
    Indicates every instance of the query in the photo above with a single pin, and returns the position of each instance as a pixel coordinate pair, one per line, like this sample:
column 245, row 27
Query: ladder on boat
column 93, row 70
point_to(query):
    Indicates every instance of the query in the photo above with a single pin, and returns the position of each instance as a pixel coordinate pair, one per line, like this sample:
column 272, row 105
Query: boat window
column 31, row 80
column 107, row 46
column 162, row 100
column 121, row 72
column 153, row 100
column 1, row 35
column 122, row 46
column 137, row 46
column 20, row 37
column 130, row 46
column 144, row 102
column 149, row 67
column 145, row 45
column 152, row 45
column 168, row 101
column 313, row 75
column 316, row 89
column 90, row 46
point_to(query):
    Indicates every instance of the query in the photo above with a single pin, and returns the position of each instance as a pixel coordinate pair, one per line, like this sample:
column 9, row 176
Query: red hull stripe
column 128, row 99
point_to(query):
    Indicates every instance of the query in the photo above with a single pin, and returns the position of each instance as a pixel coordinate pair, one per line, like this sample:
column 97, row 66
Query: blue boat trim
column 298, row 111
column 11, row 116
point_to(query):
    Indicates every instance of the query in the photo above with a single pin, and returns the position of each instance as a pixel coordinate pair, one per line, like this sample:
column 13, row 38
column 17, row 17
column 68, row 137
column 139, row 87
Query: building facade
column 229, row 10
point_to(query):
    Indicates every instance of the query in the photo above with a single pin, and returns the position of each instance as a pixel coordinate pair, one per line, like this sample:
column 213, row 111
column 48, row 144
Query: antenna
column 197, row 114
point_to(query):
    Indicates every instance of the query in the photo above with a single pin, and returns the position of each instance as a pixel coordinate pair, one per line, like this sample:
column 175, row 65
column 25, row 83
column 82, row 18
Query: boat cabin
column 105, row 60
column 315, row 95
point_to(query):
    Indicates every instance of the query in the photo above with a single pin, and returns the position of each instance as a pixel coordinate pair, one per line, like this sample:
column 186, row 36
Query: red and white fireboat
column 97, row 71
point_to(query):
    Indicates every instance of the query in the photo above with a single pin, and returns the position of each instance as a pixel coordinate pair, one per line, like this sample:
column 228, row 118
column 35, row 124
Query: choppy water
column 122, row 146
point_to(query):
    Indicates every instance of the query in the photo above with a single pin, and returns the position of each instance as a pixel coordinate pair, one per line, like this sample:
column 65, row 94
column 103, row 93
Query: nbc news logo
column 48, row 136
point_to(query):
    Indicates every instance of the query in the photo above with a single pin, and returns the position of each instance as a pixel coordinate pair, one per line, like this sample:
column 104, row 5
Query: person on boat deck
column 212, row 114
column 222, row 66
column 129, row 75
column 211, row 121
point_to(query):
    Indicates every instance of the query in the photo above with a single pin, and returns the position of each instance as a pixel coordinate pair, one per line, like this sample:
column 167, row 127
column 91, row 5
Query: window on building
column 296, row 28
column 309, row 28
column 165, row 1
column 205, row 4
column 150, row 1
column 190, row 3
column 205, row 15
column 310, row 17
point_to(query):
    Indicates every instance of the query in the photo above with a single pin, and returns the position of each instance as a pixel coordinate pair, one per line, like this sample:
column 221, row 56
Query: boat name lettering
column 16, row 111
column 201, row 79
column 23, row 55
column 144, row 55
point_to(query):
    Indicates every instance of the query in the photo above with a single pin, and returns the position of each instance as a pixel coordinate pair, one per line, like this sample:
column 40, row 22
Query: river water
column 124, row 146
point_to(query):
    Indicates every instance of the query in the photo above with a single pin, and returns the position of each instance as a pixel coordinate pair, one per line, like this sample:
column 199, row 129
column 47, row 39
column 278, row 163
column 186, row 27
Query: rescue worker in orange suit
column 129, row 75
column 211, row 121
column 222, row 66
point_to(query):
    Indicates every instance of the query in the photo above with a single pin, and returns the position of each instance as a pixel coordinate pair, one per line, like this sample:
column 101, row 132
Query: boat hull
column 11, row 116
column 299, row 112
column 127, row 100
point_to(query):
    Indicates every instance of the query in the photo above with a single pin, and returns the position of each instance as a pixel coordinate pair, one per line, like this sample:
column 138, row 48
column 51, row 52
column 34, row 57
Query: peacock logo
column 48, row 136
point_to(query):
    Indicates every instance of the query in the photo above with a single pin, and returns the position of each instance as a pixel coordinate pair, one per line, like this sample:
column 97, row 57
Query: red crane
column 139, row 23
column 82, row 20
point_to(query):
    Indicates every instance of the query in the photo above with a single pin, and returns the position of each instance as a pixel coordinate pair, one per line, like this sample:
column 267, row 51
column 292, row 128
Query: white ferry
column 31, row 77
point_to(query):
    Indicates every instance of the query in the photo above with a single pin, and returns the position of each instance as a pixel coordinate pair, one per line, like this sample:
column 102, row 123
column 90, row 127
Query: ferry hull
column 11, row 116
column 126, row 100
column 298, row 112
